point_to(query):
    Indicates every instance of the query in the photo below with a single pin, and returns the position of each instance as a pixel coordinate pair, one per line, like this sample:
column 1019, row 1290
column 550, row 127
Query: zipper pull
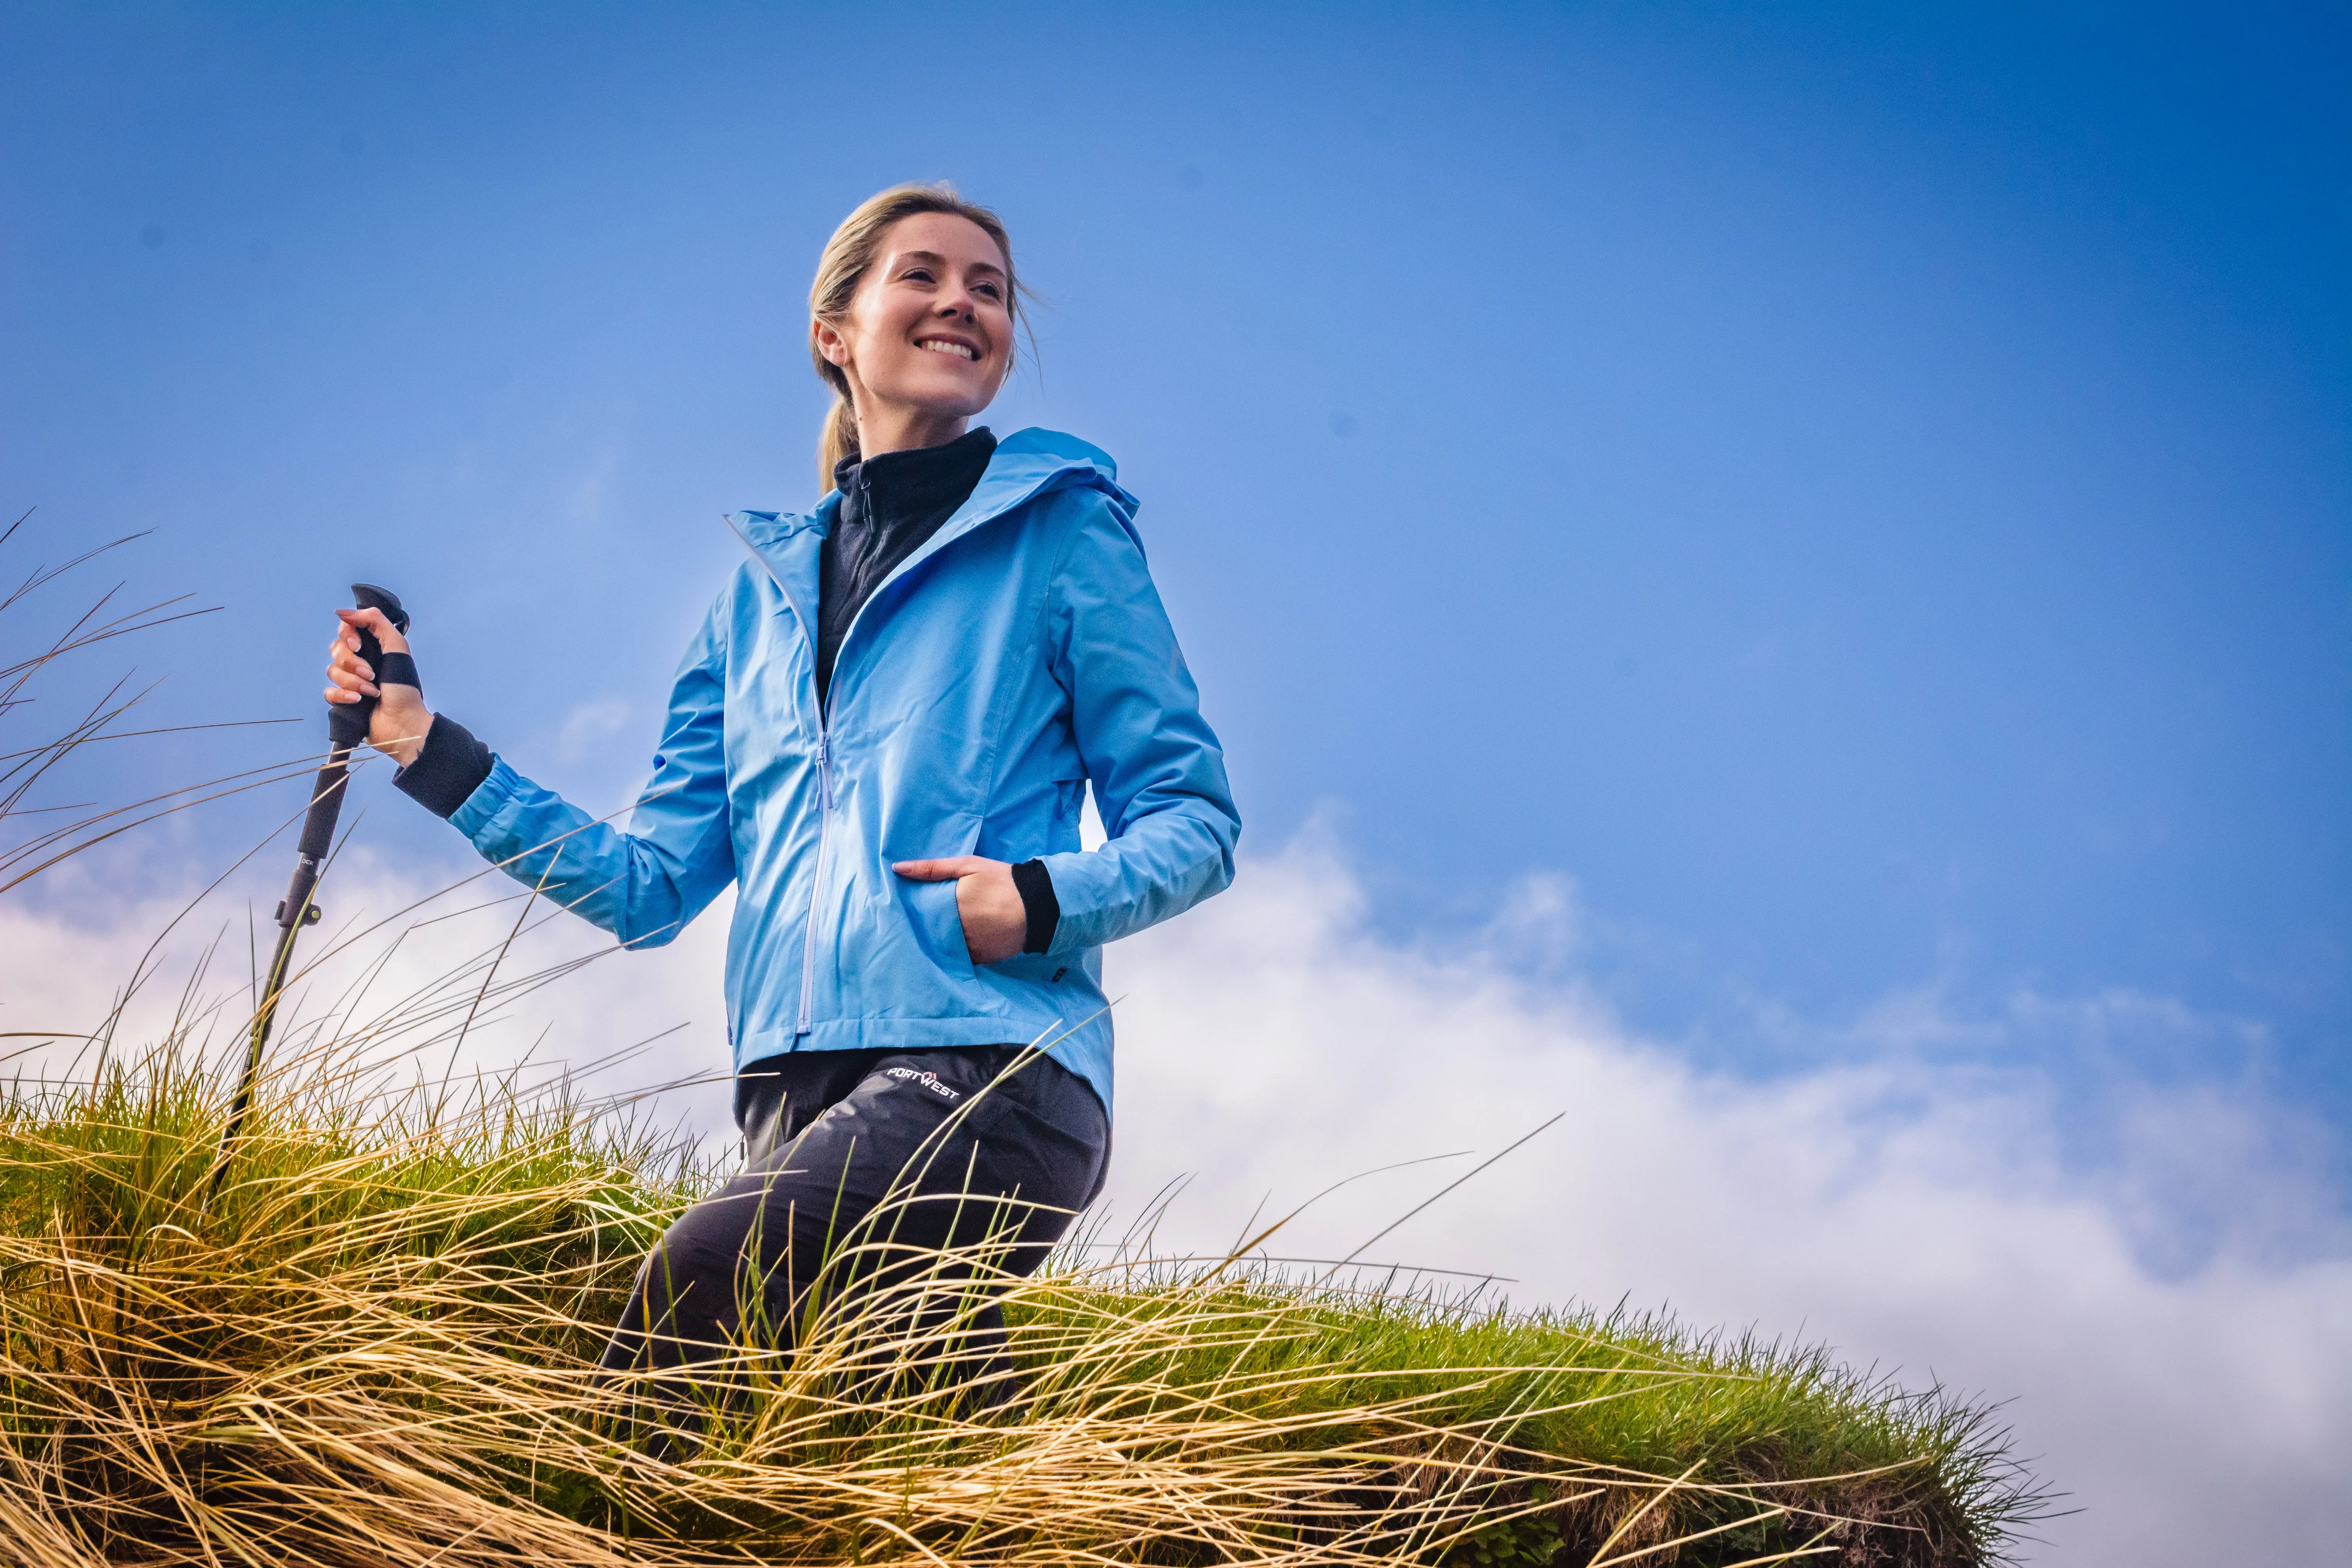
column 824, row 770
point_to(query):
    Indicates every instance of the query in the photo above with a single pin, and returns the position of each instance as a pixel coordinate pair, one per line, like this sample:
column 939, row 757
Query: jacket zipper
column 817, row 877
column 824, row 738
column 824, row 801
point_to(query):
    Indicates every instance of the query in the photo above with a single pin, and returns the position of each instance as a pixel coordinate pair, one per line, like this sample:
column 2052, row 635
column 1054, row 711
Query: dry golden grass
column 375, row 1342
column 368, row 1337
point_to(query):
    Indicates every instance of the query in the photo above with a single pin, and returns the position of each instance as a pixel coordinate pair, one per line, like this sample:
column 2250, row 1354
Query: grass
column 368, row 1337
column 374, row 1343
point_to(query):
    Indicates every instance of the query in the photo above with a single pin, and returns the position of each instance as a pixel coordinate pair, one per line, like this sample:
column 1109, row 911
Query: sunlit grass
column 365, row 1333
column 374, row 1342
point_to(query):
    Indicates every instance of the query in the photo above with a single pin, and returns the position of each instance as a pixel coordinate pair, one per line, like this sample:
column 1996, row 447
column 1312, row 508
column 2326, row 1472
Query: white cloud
column 401, row 953
column 2172, row 1318
column 587, row 725
column 1917, row 1215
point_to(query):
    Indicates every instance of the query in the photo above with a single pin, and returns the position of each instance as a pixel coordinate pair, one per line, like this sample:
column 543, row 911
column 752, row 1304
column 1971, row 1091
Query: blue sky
column 1775, row 579
column 1863, row 493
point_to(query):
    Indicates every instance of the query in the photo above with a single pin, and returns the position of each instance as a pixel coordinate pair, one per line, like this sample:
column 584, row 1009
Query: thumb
column 934, row 871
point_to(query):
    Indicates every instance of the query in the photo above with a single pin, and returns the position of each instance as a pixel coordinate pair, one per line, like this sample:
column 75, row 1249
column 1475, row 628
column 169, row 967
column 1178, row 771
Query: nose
column 956, row 301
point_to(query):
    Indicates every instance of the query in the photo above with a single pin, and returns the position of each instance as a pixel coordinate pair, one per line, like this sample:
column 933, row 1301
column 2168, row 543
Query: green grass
column 369, row 1338
column 1621, row 1394
column 375, row 1342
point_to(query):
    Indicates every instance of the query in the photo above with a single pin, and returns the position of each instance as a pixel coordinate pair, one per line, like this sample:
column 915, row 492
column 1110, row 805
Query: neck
column 898, row 429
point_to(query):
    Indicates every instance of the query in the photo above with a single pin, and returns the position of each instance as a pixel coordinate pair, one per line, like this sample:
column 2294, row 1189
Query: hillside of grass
column 370, row 1337
column 362, row 1333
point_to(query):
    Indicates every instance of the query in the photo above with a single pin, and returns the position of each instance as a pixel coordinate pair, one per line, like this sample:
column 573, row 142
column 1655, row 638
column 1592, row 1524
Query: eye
column 916, row 275
column 988, row 291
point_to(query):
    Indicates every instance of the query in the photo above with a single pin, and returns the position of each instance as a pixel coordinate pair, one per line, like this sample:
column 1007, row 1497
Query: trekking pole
column 347, row 729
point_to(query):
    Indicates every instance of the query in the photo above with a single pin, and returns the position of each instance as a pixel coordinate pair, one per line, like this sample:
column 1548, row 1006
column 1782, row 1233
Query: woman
column 883, row 734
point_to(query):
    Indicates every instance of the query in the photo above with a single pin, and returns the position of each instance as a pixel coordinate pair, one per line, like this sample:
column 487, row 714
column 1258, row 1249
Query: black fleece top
column 891, row 504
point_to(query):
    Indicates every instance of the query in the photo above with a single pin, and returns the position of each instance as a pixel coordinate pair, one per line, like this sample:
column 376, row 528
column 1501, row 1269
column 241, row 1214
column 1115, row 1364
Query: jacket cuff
column 451, row 766
column 1037, row 901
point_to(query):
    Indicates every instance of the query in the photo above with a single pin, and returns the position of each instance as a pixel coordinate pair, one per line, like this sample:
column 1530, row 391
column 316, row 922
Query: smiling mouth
column 942, row 346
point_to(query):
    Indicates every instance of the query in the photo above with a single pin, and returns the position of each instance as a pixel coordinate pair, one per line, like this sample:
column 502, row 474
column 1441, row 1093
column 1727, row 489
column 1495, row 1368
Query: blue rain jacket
column 1021, row 654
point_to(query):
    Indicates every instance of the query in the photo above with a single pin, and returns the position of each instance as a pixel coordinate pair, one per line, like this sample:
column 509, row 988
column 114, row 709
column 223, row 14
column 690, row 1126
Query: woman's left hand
column 995, row 921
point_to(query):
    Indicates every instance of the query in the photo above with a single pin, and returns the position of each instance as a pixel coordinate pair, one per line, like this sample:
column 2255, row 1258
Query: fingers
column 343, row 653
column 946, row 870
column 391, row 640
column 353, row 678
column 348, row 671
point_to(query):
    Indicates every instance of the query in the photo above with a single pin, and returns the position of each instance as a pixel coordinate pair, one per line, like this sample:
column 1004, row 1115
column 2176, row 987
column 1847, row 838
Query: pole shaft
column 347, row 728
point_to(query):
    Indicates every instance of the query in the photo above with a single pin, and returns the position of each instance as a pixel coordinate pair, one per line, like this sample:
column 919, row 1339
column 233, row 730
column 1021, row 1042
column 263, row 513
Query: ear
column 829, row 342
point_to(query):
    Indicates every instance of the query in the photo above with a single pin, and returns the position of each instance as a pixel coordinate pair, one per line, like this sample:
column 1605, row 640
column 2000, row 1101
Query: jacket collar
column 1025, row 464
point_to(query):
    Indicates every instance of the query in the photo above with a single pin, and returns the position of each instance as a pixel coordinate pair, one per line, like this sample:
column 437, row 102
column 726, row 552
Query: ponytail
column 843, row 267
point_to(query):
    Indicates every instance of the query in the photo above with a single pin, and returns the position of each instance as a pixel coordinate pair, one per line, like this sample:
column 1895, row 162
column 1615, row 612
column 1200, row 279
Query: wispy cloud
column 588, row 725
column 2168, row 1305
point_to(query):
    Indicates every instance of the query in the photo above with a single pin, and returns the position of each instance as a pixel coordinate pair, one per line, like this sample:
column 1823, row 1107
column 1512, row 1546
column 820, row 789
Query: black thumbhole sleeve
column 451, row 766
column 1037, row 901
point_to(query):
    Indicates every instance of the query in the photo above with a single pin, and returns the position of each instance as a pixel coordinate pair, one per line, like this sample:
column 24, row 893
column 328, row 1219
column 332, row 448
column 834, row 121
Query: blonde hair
column 848, row 256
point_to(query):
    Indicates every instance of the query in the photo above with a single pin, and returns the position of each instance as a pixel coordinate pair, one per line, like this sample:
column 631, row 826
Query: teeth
column 938, row 347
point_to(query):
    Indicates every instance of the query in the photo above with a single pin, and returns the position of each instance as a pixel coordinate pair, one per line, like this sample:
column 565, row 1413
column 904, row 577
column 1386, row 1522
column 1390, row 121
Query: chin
column 948, row 402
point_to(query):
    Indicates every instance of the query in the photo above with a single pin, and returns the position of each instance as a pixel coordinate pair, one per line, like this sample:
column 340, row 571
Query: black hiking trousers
column 859, row 1168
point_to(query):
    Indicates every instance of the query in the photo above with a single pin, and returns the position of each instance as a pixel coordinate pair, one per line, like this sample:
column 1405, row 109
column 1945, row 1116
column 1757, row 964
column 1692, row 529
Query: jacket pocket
column 939, row 926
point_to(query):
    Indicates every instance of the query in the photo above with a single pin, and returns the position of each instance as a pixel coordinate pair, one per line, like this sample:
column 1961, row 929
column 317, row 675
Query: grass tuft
column 374, row 1343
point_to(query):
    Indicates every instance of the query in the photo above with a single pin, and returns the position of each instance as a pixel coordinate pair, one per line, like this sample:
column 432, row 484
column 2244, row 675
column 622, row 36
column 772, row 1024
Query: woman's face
column 931, row 329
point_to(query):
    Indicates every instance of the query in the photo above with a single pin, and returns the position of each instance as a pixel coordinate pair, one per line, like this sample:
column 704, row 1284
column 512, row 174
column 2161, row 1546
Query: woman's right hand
column 397, row 726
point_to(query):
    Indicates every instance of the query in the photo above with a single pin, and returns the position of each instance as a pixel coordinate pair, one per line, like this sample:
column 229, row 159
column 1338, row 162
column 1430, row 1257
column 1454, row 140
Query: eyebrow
column 933, row 256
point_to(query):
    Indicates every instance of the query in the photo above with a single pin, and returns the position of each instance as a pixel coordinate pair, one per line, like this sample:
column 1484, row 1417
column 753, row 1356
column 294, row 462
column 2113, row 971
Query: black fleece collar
column 893, row 486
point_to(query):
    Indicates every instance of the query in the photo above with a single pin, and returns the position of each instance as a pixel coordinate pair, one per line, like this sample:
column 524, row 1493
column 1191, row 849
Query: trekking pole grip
column 347, row 722
column 347, row 729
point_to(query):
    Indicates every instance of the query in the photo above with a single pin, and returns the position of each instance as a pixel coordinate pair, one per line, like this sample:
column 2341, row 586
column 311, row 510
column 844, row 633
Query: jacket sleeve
column 645, row 884
column 1158, row 772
